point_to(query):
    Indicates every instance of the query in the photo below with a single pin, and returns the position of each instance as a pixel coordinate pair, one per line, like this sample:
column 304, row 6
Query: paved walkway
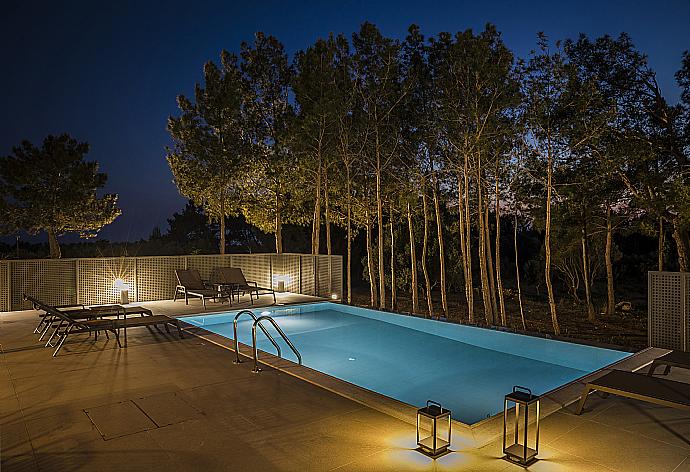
column 176, row 405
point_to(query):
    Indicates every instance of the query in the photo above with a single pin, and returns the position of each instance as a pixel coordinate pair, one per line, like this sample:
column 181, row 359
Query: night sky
column 108, row 72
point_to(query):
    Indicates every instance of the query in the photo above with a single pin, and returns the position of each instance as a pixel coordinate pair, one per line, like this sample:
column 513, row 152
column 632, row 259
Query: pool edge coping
column 481, row 432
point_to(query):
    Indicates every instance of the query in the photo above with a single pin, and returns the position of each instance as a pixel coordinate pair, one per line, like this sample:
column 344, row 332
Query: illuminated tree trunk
column 499, row 280
column 316, row 222
column 349, row 239
column 379, row 217
column 586, row 272
column 370, row 263
column 662, row 243
column 425, row 246
column 441, row 248
column 55, row 252
column 394, row 300
column 413, row 262
column 222, row 223
column 327, row 214
column 483, row 272
column 517, row 273
column 466, row 239
column 547, row 242
column 279, row 226
column 611, row 295
column 490, row 261
column 680, row 236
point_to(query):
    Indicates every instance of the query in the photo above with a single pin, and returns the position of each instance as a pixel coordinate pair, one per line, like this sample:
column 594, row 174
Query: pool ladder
column 257, row 322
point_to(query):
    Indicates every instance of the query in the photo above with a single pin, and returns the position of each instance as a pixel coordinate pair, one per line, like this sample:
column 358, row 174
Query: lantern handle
column 431, row 402
column 518, row 388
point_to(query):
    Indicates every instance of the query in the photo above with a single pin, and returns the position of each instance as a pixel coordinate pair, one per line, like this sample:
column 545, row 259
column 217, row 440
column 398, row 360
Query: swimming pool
column 467, row 369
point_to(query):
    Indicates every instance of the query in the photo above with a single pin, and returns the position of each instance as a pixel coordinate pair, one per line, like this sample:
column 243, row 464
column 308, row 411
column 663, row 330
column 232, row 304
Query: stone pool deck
column 169, row 404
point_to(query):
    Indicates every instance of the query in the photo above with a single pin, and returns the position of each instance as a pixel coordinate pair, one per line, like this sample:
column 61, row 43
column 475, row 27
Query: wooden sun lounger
column 678, row 359
column 233, row 277
column 640, row 387
column 189, row 283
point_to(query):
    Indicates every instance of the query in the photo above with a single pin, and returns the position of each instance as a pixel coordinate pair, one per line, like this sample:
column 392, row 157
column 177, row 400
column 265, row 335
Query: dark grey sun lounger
column 66, row 324
column 234, row 277
column 678, row 359
column 189, row 283
column 640, row 387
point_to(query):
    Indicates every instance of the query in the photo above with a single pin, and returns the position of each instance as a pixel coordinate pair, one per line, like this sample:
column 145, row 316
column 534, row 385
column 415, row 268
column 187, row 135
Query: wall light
column 334, row 296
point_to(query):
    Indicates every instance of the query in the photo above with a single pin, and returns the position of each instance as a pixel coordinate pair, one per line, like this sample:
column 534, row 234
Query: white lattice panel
column 667, row 311
column 206, row 264
column 156, row 277
column 286, row 267
column 53, row 281
column 337, row 276
column 255, row 267
column 4, row 287
column 307, row 278
column 323, row 280
column 96, row 279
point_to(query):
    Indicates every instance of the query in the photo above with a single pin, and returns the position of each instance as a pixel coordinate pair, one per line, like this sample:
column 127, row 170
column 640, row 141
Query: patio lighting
column 334, row 296
column 432, row 440
column 123, row 288
column 520, row 452
column 280, row 281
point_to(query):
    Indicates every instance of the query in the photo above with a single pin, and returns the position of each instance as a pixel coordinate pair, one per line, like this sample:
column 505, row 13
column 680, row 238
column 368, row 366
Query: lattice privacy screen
column 669, row 310
column 4, row 287
column 92, row 281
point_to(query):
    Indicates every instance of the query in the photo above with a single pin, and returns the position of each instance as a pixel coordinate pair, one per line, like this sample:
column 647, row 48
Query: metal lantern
column 433, row 437
column 518, row 451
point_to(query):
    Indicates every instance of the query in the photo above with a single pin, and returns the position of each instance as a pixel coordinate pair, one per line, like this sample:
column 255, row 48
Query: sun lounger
column 640, row 387
column 678, row 359
column 74, row 323
column 234, row 277
column 189, row 283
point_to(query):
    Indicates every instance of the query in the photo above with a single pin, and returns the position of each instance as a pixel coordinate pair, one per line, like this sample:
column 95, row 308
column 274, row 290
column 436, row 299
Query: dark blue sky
column 108, row 72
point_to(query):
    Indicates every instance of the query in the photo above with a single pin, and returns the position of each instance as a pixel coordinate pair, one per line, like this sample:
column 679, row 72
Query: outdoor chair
column 66, row 324
column 640, row 387
column 234, row 278
column 678, row 359
column 189, row 284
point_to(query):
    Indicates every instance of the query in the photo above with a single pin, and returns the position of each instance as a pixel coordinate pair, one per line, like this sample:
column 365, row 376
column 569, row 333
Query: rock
column 625, row 307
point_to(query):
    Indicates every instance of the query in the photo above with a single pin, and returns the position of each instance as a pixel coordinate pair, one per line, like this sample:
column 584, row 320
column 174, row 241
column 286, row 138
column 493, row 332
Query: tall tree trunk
column 413, row 262
column 490, row 261
column 483, row 275
column 394, row 300
column 55, row 252
column 611, row 294
column 316, row 222
column 222, row 223
column 441, row 246
column 517, row 273
column 680, row 236
column 547, row 242
column 591, row 315
column 370, row 263
column 279, row 226
column 379, row 216
column 349, row 240
column 425, row 246
column 662, row 243
column 499, row 279
column 468, row 241
column 463, row 246
column 327, row 214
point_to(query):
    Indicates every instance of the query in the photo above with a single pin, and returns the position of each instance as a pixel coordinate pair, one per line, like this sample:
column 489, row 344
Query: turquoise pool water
column 465, row 368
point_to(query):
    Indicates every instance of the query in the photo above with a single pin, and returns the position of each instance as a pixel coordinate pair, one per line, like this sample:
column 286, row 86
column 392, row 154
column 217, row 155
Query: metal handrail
column 234, row 328
column 282, row 334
